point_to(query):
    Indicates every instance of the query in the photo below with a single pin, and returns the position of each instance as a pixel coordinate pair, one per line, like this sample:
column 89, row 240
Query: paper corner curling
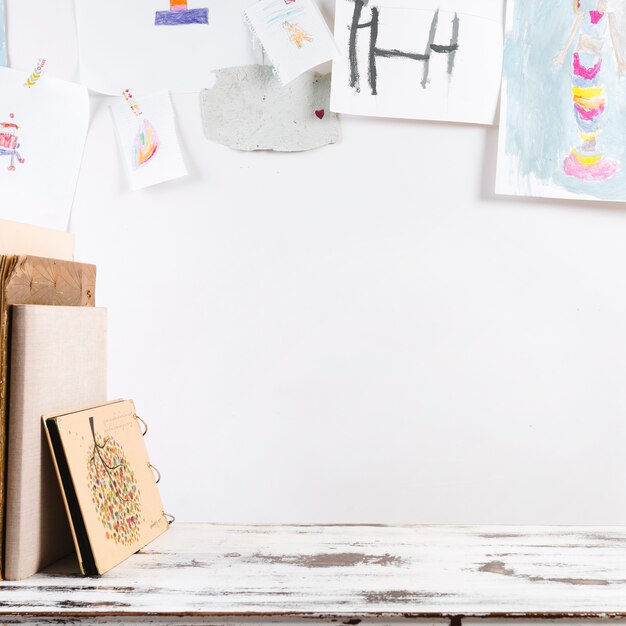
column 249, row 109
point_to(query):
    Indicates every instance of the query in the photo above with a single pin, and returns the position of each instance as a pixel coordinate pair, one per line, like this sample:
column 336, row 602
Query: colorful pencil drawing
column 294, row 35
column 148, row 139
column 297, row 36
column 277, row 14
column 145, row 145
column 42, row 145
column 570, row 142
column 372, row 24
column 114, row 491
column 180, row 14
column 9, row 142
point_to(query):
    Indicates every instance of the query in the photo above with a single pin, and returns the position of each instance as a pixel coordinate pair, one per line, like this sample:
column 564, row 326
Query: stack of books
column 52, row 357
column 81, row 479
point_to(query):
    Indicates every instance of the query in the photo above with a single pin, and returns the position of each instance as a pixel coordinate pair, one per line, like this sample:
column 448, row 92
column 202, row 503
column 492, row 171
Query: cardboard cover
column 110, row 492
column 16, row 238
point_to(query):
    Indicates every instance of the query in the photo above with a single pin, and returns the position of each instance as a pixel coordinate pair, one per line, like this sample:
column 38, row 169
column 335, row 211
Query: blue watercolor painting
column 563, row 118
column 3, row 37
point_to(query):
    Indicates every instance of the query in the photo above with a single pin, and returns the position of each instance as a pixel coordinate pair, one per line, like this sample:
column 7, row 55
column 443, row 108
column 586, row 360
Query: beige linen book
column 58, row 360
column 24, row 239
column 110, row 492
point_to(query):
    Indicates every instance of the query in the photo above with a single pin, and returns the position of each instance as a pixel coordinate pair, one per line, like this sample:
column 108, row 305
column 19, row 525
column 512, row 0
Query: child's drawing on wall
column 9, row 142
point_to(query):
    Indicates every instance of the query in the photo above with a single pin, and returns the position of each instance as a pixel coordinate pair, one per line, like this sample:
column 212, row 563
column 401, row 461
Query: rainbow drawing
column 180, row 14
column 35, row 75
column 145, row 145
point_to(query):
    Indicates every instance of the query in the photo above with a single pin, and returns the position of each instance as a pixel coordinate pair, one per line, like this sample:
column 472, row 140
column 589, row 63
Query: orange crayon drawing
column 296, row 34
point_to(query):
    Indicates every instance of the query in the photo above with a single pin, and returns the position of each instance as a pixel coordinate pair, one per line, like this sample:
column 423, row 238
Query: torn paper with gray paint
column 248, row 109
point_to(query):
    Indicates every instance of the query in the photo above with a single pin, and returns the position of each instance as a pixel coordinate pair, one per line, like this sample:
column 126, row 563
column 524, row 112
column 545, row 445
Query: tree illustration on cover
column 114, row 490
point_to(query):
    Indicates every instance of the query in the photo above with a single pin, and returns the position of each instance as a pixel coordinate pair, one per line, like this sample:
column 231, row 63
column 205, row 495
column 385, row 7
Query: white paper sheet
column 121, row 45
column 149, row 142
column 42, row 136
column 293, row 34
column 3, row 36
column 41, row 28
column 419, row 59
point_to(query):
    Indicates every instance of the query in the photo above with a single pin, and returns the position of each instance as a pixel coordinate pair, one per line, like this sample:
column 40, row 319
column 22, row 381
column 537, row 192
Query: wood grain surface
column 203, row 573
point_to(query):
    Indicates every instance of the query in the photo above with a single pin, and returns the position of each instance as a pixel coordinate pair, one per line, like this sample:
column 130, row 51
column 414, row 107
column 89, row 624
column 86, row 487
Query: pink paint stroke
column 596, row 16
column 591, row 114
column 588, row 73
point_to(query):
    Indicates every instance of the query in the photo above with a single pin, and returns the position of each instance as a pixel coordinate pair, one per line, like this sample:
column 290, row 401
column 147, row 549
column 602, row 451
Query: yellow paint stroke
column 587, row 92
column 296, row 34
column 588, row 136
column 586, row 160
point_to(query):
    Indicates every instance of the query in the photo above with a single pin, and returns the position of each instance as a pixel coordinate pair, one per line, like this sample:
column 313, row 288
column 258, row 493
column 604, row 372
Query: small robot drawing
column 9, row 142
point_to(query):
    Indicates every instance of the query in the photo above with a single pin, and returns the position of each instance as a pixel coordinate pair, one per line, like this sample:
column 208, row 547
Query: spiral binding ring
column 145, row 426
column 155, row 469
column 169, row 517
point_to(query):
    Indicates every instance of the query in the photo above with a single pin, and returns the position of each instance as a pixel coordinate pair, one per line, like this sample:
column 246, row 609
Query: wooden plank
column 225, row 621
column 208, row 620
column 346, row 573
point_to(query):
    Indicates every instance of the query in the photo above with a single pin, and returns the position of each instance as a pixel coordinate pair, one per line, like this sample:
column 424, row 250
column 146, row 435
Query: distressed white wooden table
column 314, row 575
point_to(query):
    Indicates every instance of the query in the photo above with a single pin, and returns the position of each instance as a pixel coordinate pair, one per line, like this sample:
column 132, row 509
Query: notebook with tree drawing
column 110, row 492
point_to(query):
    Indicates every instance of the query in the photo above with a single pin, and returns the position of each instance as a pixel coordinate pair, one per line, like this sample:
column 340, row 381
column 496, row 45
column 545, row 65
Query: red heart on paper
column 320, row 113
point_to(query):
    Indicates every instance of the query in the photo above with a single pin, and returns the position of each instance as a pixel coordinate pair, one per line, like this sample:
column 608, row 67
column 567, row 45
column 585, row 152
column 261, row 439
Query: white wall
column 360, row 333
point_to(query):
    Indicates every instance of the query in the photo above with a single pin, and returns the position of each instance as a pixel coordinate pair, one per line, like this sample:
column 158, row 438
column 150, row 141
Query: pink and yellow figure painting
column 589, row 98
column 180, row 14
column 145, row 145
column 9, row 142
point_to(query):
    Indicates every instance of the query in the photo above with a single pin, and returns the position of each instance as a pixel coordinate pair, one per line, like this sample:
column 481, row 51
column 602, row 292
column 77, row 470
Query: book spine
column 15, row 447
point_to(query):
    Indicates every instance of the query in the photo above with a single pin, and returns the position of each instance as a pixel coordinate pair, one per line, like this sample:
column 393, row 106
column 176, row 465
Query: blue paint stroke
column 279, row 12
column 174, row 18
column 279, row 17
column 540, row 125
column 3, row 38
